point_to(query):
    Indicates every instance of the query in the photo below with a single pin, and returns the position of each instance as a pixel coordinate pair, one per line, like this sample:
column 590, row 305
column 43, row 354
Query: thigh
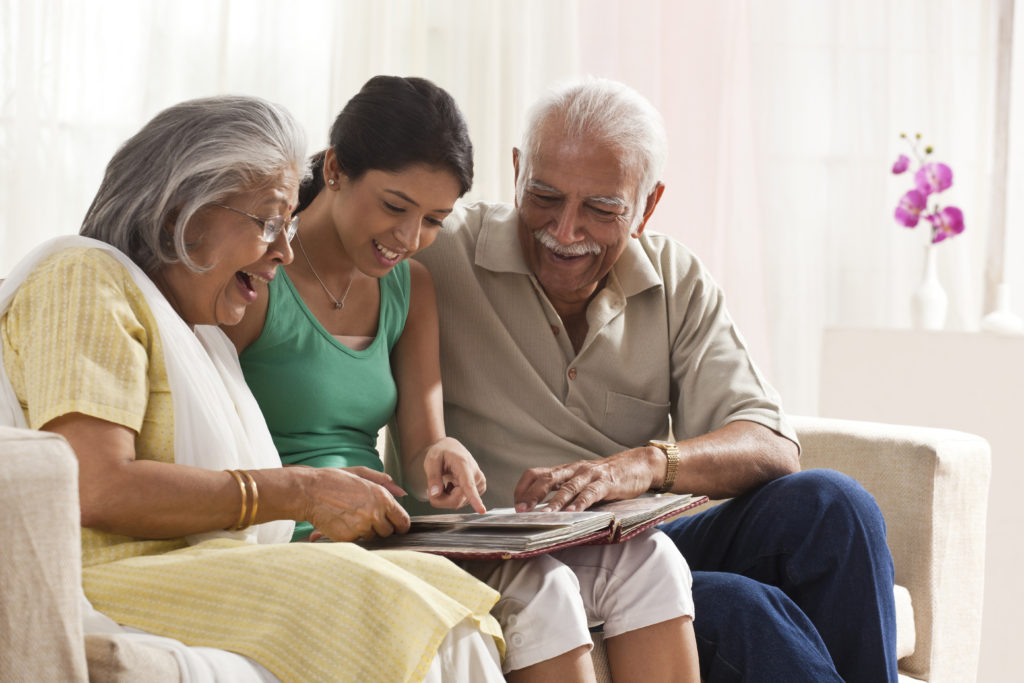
column 630, row 585
column 541, row 612
column 752, row 533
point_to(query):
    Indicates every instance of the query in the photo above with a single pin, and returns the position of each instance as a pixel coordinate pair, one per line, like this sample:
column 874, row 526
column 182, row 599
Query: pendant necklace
column 338, row 304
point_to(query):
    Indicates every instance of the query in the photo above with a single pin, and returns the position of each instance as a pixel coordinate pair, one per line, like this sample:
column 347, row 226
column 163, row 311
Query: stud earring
column 330, row 182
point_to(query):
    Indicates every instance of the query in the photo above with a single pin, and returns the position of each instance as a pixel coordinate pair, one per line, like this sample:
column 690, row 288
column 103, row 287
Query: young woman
column 347, row 339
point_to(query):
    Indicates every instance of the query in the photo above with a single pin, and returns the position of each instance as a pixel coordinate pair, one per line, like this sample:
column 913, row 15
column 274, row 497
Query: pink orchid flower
column 901, row 165
column 933, row 177
column 946, row 223
column 908, row 211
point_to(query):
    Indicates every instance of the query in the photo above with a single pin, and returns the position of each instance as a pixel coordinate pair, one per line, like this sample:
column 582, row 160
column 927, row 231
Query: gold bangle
column 245, row 501
column 255, row 499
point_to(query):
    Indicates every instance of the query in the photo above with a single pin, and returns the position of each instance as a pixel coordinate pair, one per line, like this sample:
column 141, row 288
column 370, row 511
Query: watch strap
column 671, row 452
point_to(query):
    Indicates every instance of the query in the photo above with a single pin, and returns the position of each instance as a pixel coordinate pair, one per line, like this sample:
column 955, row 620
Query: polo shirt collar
column 499, row 251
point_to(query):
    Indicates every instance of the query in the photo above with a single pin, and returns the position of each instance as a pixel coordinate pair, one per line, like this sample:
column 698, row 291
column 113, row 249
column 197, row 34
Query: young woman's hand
column 353, row 503
column 453, row 477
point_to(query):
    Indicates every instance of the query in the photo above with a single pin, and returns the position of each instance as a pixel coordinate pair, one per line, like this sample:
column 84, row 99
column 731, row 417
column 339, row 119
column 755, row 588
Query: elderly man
column 574, row 344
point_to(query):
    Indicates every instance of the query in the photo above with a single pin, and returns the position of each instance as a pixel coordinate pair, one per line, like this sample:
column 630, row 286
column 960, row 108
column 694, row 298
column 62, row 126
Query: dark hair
column 393, row 123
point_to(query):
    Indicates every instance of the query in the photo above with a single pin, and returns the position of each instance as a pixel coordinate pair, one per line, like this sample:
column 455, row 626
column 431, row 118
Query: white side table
column 970, row 381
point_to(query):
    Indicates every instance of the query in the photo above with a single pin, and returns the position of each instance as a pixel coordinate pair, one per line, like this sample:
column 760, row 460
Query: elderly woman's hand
column 353, row 503
column 453, row 477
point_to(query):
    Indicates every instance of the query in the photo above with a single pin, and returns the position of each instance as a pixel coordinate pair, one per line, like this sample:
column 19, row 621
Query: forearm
column 414, row 476
column 730, row 461
column 148, row 499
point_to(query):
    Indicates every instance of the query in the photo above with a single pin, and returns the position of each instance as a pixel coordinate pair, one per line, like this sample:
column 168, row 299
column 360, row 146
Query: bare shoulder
column 419, row 274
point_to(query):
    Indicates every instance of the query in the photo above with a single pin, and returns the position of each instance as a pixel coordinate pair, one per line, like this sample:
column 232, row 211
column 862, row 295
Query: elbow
column 101, row 505
column 782, row 458
column 95, row 515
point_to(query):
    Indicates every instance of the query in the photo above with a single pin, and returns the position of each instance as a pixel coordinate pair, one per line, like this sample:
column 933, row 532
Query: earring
column 331, row 182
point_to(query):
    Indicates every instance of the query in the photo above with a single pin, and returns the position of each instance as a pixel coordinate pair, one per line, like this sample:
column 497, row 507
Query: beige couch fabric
column 40, row 614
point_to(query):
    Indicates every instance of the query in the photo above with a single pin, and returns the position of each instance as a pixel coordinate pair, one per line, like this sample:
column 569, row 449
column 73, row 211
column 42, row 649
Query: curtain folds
column 783, row 119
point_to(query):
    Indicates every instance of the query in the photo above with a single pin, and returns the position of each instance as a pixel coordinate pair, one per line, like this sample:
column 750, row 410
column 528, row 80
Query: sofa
column 931, row 485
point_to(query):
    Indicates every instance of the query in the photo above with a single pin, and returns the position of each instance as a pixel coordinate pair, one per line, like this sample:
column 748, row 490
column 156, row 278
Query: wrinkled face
column 231, row 246
column 576, row 214
column 384, row 217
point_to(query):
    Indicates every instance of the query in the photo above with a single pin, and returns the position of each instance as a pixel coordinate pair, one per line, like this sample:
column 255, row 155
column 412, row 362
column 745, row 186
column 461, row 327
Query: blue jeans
column 792, row 582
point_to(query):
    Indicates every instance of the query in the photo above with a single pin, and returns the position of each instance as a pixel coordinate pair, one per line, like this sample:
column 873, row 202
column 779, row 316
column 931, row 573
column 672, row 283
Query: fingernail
column 434, row 490
column 521, row 507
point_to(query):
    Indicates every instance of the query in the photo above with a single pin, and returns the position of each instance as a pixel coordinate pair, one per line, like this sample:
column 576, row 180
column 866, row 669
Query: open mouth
column 385, row 252
column 565, row 257
column 248, row 280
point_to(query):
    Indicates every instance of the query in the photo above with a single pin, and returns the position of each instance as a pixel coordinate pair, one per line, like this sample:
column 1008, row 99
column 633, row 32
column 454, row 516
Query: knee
column 736, row 601
column 653, row 555
column 831, row 497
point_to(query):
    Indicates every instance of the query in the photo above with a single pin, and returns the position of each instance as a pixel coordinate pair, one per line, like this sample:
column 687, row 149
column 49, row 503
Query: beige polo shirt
column 661, row 353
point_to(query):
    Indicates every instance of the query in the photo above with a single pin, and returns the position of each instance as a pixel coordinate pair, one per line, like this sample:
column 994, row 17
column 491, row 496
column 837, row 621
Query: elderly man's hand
column 578, row 485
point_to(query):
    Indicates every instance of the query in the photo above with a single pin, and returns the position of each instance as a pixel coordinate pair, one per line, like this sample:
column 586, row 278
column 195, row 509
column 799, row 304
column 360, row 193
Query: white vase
column 929, row 301
column 1003, row 320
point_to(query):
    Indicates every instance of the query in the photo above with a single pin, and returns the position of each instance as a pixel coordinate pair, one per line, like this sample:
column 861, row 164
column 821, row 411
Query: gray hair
column 605, row 111
column 187, row 156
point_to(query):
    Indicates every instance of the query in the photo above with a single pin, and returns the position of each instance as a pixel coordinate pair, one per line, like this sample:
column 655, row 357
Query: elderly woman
column 108, row 341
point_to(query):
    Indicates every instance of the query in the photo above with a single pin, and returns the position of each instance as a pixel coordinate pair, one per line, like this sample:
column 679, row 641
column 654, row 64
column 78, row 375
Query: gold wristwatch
column 672, row 453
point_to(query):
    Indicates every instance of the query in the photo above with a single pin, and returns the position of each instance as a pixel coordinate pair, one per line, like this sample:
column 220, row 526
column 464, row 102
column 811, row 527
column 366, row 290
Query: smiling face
column 230, row 246
column 577, row 210
column 385, row 217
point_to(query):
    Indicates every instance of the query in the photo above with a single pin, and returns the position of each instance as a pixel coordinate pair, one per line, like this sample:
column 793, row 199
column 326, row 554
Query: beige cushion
column 40, row 612
column 117, row 659
column 905, row 637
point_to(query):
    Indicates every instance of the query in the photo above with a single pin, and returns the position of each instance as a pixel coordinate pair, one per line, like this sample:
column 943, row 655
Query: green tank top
column 324, row 402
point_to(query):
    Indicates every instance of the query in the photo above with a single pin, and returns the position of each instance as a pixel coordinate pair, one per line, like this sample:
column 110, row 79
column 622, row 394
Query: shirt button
column 513, row 620
column 554, row 330
column 516, row 639
column 572, row 373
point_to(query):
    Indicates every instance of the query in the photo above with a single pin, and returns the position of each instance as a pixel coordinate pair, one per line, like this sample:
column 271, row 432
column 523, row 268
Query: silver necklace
column 338, row 304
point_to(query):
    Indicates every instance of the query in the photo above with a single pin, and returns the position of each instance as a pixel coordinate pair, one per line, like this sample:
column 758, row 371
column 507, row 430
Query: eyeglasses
column 272, row 227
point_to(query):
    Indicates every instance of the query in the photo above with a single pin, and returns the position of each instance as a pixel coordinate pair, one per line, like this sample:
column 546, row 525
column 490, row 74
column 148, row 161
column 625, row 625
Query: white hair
column 604, row 111
column 189, row 155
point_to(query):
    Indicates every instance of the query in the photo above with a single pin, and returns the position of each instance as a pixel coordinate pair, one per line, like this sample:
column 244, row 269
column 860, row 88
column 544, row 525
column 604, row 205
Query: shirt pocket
column 632, row 421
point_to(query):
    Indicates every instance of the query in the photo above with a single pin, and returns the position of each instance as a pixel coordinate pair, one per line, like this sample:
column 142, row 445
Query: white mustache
column 574, row 249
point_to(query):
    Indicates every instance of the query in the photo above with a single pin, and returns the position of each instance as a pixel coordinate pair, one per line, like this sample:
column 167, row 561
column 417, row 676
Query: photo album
column 503, row 533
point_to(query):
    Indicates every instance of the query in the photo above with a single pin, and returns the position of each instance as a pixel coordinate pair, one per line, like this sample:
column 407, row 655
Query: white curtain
column 783, row 119
column 78, row 77
column 835, row 84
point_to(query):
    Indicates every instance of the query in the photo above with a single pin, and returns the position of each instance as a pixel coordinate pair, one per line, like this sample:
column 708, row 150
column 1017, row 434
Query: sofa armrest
column 932, row 487
column 41, row 564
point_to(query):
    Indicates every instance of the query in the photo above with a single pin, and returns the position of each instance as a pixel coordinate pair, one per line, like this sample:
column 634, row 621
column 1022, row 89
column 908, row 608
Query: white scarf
column 217, row 422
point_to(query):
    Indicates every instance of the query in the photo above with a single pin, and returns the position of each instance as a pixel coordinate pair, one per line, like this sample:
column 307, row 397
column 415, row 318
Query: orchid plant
column 930, row 179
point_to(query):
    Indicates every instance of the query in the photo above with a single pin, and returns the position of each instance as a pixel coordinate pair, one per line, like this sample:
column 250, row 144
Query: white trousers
column 549, row 602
